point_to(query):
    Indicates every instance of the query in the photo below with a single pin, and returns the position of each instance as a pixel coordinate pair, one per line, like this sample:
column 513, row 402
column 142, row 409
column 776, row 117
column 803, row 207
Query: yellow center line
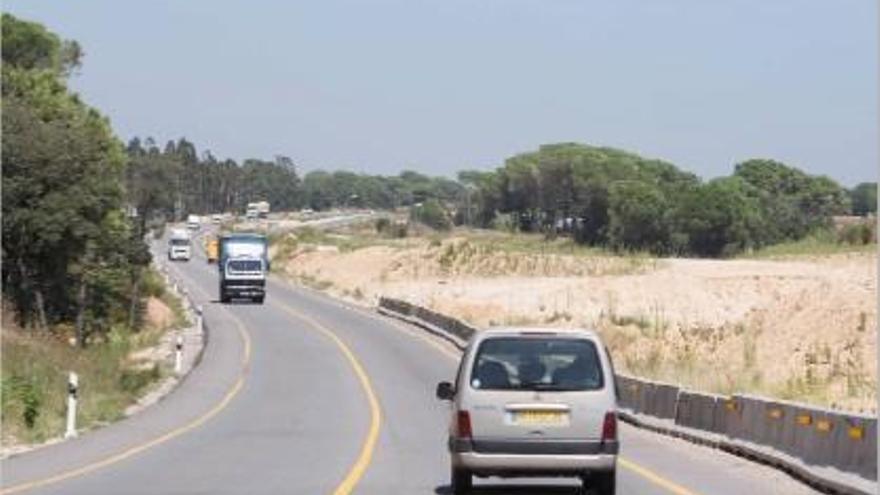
column 365, row 457
column 357, row 470
column 655, row 478
column 642, row 471
column 137, row 449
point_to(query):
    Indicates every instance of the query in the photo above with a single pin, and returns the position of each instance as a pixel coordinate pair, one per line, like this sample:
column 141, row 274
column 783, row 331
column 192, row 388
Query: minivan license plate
column 539, row 417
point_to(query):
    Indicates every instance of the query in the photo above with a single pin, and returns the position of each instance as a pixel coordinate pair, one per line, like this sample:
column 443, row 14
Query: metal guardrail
column 787, row 434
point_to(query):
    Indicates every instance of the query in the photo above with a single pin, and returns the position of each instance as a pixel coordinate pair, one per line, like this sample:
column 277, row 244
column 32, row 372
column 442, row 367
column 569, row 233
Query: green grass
column 35, row 367
column 34, row 381
column 821, row 243
column 530, row 243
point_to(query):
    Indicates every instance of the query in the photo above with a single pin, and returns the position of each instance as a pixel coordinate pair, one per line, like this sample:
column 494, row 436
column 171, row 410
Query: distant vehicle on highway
column 258, row 209
column 251, row 213
column 179, row 245
column 193, row 222
column 216, row 218
column 533, row 402
column 212, row 249
column 243, row 265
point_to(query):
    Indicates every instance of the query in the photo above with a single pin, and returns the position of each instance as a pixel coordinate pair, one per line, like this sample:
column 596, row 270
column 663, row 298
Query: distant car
column 179, row 245
column 216, row 218
column 533, row 402
column 193, row 222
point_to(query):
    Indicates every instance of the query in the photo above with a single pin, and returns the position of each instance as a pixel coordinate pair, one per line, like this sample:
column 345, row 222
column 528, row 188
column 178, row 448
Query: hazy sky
column 443, row 85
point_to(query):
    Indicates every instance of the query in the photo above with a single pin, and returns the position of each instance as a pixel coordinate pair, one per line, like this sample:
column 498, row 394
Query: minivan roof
column 517, row 331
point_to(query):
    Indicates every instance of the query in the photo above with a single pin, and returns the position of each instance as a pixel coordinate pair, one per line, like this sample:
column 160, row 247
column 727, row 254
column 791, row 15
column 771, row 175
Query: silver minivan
column 533, row 402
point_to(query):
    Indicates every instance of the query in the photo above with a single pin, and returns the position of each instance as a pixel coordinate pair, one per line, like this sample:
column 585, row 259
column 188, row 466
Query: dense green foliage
column 175, row 181
column 608, row 197
column 70, row 253
column 324, row 190
column 432, row 214
column 864, row 198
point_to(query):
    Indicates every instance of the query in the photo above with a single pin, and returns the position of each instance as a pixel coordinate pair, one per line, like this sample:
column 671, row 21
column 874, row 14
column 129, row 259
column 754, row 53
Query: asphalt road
column 308, row 395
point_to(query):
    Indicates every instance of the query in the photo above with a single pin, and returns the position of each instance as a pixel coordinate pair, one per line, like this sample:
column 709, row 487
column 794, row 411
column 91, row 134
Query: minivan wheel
column 602, row 482
column 462, row 481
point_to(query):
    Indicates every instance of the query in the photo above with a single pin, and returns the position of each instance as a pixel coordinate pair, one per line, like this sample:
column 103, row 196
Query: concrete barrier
column 628, row 388
column 814, row 436
column 699, row 411
column 663, row 400
column 854, row 444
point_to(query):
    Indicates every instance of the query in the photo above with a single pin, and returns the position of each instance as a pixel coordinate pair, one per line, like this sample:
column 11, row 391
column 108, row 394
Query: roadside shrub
column 432, row 214
column 134, row 381
column 398, row 230
column 17, row 389
column 383, row 225
column 152, row 284
column 858, row 234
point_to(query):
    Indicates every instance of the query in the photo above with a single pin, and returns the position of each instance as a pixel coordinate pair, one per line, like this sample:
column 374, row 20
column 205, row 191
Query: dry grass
column 745, row 325
column 35, row 368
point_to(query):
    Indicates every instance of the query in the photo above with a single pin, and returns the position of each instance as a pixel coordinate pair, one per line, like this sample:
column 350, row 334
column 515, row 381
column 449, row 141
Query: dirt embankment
column 801, row 328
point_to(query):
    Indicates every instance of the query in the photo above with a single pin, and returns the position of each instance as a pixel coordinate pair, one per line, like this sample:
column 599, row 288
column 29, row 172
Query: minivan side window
column 537, row 363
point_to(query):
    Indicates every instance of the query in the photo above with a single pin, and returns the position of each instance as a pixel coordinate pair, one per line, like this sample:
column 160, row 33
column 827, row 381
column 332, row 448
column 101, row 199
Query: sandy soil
column 801, row 328
column 159, row 315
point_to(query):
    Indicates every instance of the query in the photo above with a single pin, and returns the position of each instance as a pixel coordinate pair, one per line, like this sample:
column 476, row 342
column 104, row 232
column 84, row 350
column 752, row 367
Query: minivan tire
column 462, row 481
column 603, row 482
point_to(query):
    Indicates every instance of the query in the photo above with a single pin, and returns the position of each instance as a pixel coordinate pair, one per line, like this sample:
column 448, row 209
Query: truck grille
column 241, row 266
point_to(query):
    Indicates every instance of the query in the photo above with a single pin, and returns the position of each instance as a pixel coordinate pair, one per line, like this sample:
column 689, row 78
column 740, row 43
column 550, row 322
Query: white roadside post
column 178, row 355
column 200, row 319
column 72, row 388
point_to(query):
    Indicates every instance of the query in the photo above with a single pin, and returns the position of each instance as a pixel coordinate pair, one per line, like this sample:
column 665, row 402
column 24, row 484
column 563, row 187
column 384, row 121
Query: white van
column 533, row 402
column 193, row 222
column 179, row 245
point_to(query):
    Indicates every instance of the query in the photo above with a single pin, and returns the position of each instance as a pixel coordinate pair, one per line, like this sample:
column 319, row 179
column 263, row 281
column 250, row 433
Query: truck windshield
column 537, row 363
column 241, row 248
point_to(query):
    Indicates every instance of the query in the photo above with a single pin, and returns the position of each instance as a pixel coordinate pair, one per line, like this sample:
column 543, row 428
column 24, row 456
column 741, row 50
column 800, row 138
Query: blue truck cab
column 243, row 265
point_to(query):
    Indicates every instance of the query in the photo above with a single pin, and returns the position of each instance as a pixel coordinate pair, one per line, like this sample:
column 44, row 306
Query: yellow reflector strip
column 804, row 419
column 856, row 432
column 731, row 405
column 823, row 425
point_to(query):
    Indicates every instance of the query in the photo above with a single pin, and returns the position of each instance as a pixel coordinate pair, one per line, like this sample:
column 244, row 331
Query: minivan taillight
column 609, row 427
column 463, row 425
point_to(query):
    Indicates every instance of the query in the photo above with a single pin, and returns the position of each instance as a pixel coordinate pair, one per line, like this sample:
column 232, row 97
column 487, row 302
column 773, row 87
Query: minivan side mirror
column 445, row 391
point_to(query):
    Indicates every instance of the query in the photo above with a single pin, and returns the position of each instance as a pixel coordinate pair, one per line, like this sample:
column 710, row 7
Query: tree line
column 175, row 180
column 600, row 196
column 70, row 253
column 612, row 198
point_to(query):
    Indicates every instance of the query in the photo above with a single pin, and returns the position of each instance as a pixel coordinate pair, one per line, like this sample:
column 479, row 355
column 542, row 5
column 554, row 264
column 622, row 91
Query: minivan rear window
column 537, row 363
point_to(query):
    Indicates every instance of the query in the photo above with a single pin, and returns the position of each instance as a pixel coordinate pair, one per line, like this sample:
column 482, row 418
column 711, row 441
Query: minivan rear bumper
column 532, row 465
column 533, row 457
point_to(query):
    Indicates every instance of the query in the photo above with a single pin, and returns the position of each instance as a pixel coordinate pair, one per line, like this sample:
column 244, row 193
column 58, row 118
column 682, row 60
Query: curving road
column 308, row 395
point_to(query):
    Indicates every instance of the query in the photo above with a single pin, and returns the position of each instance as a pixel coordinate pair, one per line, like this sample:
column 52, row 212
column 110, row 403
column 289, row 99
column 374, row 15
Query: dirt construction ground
column 801, row 328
